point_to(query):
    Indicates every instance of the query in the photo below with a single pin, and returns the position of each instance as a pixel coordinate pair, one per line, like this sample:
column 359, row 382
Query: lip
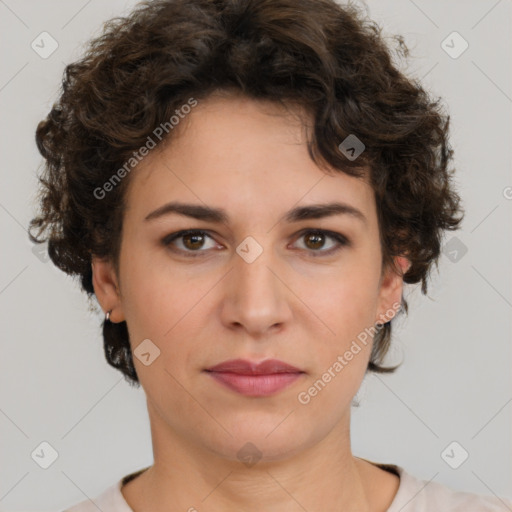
column 255, row 379
column 245, row 367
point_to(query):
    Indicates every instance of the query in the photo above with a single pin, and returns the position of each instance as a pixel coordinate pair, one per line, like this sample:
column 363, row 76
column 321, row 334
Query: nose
column 256, row 297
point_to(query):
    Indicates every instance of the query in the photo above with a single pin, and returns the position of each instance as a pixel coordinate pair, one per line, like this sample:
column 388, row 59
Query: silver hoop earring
column 107, row 316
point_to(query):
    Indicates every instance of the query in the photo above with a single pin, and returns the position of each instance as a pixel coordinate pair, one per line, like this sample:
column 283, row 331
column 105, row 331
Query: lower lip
column 255, row 385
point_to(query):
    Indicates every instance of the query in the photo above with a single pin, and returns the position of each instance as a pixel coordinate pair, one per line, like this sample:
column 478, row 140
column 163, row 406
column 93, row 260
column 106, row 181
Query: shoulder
column 110, row 500
column 104, row 502
column 415, row 495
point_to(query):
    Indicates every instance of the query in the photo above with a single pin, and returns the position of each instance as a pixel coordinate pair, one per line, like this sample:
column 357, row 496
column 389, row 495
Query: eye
column 191, row 241
column 315, row 240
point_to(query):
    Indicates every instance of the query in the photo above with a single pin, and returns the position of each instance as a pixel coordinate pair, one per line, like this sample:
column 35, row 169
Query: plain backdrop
column 455, row 382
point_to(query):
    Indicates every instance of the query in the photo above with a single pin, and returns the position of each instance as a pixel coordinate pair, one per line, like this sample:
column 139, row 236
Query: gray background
column 455, row 383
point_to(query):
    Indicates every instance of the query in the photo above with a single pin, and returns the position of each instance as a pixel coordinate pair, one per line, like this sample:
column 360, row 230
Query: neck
column 186, row 477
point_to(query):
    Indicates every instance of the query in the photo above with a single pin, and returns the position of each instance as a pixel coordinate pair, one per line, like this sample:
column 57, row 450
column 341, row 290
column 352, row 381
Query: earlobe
column 404, row 263
column 106, row 288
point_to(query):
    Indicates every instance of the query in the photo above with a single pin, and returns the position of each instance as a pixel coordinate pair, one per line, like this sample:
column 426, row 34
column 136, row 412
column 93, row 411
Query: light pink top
column 413, row 495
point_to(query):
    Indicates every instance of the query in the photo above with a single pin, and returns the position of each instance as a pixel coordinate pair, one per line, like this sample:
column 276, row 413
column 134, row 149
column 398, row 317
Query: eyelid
column 168, row 239
column 340, row 239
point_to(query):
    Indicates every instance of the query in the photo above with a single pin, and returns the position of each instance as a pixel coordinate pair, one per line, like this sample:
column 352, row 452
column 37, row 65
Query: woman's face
column 261, row 285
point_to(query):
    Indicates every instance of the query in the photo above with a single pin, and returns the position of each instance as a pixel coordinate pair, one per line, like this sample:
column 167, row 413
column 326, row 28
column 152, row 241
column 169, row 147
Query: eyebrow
column 218, row 215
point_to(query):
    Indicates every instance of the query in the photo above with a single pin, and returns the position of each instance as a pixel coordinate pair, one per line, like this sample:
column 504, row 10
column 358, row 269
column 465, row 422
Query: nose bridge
column 252, row 269
column 258, row 298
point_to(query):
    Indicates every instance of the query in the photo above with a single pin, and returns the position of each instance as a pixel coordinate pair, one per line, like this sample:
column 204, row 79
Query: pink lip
column 255, row 379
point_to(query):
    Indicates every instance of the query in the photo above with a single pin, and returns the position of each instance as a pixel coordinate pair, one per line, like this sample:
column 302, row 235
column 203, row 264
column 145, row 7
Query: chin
column 256, row 442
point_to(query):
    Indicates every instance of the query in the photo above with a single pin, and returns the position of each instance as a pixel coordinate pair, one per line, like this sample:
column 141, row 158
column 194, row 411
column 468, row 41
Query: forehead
column 245, row 156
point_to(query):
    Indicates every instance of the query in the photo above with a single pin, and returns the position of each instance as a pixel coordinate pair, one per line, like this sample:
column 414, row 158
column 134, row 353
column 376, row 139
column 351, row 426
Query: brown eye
column 193, row 241
column 190, row 241
column 315, row 241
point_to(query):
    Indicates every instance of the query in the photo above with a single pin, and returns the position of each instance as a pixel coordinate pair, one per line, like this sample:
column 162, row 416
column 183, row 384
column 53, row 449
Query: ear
column 106, row 288
column 390, row 293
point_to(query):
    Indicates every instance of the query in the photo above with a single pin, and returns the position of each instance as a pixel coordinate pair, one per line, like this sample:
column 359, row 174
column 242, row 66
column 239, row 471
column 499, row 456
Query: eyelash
column 340, row 239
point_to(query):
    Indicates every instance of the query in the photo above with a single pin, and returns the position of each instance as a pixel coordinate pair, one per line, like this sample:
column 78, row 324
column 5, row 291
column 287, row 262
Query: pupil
column 318, row 238
column 196, row 237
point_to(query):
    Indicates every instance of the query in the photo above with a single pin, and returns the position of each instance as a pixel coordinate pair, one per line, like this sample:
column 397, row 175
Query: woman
column 245, row 186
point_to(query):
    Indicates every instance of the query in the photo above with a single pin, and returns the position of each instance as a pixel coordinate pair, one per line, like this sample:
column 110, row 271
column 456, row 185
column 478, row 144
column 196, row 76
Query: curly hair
column 328, row 58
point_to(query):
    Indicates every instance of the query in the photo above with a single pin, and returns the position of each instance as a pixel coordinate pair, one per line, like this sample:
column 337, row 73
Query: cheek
column 151, row 300
column 347, row 300
column 163, row 305
column 341, row 355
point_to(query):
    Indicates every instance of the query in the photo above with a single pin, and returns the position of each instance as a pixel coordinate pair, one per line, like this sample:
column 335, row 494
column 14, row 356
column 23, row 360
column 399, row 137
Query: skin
column 250, row 158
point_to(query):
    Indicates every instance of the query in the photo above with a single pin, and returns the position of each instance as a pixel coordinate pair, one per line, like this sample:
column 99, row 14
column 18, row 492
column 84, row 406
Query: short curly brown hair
column 328, row 58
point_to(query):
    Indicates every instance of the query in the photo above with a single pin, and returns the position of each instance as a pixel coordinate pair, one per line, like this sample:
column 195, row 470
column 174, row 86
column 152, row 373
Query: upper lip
column 245, row 367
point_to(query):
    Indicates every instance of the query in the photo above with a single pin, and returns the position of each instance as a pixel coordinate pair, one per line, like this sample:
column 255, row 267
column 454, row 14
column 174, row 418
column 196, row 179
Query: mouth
column 255, row 379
